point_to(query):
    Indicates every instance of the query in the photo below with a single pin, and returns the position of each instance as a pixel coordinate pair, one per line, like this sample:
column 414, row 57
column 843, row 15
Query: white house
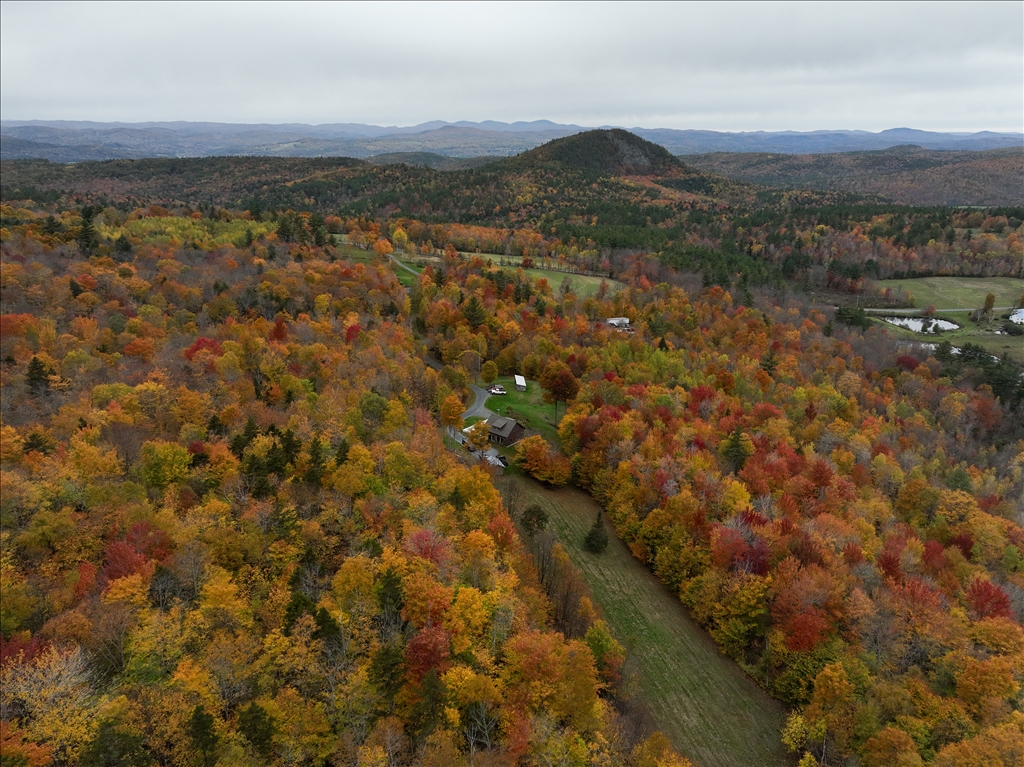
column 618, row 322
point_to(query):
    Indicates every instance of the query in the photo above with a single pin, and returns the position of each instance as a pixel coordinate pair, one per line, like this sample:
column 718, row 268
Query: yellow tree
column 891, row 747
column 489, row 372
column 833, row 703
column 479, row 435
column 451, row 413
column 53, row 690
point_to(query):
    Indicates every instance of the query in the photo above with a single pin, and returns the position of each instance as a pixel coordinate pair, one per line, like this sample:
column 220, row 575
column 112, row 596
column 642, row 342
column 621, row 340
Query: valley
column 230, row 505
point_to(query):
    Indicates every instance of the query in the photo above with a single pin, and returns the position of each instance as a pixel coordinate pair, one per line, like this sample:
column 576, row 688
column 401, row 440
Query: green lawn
column 707, row 706
column 959, row 292
column 530, row 408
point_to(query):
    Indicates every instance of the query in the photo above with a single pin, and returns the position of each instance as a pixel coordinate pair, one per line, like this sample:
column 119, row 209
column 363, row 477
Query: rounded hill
column 613, row 152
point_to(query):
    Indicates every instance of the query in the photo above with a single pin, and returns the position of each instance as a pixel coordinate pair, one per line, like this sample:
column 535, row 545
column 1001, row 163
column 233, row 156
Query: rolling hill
column 76, row 141
column 597, row 168
column 906, row 174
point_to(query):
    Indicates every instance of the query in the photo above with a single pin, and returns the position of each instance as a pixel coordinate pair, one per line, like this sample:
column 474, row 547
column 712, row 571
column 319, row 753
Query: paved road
column 407, row 268
column 480, row 395
column 478, row 409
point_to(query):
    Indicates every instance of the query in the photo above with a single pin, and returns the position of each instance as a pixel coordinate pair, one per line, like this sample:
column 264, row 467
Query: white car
column 496, row 389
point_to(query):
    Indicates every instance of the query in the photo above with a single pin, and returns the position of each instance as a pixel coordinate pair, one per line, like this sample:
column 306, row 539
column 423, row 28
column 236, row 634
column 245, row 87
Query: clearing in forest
column 959, row 292
column 529, row 408
column 583, row 285
column 707, row 706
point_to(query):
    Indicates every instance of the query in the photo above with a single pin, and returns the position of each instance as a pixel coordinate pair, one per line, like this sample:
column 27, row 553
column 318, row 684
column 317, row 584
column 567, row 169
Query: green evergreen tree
column 387, row 672
column 38, row 377
column 959, row 479
column 257, row 726
column 113, row 747
column 204, row 734
column 474, row 312
column 317, row 466
column 285, row 230
column 736, row 448
column 596, row 539
column 87, row 237
column 299, row 605
column 328, row 631
column 341, row 451
column 428, row 712
column 534, row 520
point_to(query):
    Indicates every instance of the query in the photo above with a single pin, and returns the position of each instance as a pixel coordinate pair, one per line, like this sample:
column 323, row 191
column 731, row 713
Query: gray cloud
column 725, row 66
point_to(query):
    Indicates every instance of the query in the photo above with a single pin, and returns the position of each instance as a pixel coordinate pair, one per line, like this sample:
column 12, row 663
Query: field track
column 707, row 706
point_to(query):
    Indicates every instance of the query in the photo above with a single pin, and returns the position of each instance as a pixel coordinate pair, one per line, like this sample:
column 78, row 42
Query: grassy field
column 962, row 293
column 959, row 292
column 532, row 411
column 584, row 285
column 713, row 712
column 983, row 335
column 356, row 255
column 969, row 332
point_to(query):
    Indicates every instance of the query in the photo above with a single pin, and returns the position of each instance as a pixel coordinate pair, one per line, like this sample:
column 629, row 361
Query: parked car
column 496, row 389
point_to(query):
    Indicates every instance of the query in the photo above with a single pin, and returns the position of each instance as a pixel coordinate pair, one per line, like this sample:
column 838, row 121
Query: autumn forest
column 235, row 527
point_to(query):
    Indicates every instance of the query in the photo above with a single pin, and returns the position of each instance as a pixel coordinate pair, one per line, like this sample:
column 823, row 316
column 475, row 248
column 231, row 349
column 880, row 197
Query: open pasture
column 707, row 706
column 958, row 292
column 583, row 285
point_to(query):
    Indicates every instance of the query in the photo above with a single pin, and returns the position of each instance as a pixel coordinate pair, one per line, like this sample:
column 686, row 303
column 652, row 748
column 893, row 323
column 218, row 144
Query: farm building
column 618, row 322
column 505, row 431
column 520, row 383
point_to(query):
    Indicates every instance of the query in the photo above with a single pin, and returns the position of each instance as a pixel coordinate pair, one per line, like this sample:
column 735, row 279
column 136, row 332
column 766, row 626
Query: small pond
column 922, row 324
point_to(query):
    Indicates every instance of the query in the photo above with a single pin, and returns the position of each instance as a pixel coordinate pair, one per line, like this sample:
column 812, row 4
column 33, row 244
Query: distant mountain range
column 76, row 141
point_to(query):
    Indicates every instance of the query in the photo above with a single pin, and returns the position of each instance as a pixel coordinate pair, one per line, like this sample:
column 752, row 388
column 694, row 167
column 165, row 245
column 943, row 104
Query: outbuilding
column 520, row 383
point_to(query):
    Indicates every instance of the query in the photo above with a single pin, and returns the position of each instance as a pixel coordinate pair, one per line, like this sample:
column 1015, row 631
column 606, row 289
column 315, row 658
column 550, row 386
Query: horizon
column 440, row 123
column 741, row 68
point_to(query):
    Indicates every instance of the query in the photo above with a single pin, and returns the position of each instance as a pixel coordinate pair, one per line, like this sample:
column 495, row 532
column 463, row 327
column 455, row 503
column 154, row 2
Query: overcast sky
column 719, row 66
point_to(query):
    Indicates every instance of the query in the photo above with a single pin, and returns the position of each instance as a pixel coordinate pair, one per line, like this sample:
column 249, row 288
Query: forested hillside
column 606, row 193
column 907, row 174
column 232, row 531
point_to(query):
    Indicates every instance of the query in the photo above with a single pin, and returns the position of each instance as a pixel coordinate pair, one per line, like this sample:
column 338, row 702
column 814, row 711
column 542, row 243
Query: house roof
column 520, row 380
column 501, row 426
